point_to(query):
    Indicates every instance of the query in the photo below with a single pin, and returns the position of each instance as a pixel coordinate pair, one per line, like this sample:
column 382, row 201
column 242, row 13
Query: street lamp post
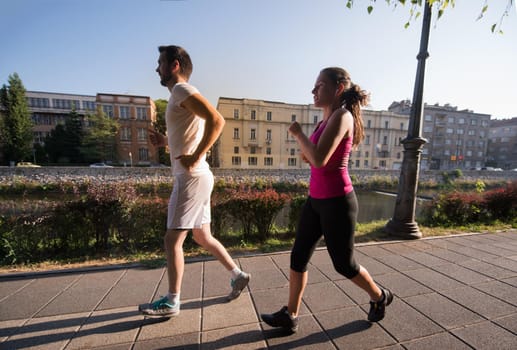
column 403, row 224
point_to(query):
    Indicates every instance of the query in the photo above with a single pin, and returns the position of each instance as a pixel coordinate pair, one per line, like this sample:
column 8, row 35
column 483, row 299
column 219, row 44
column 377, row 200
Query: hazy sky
column 261, row 49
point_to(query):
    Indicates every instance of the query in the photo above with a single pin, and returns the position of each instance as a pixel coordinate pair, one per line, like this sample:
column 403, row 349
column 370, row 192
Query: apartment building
column 256, row 137
column 502, row 146
column 135, row 115
column 457, row 139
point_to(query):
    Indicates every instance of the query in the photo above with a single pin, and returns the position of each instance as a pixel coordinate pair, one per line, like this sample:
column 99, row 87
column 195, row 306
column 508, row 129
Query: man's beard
column 165, row 80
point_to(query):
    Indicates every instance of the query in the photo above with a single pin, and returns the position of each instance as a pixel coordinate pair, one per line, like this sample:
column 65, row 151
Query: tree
column 16, row 126
column 416, row 6
column 64, row 143
column 99, row 142
column 160, row 126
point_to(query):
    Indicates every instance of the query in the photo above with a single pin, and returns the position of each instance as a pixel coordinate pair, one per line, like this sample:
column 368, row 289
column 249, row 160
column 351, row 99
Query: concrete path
column 457, row 292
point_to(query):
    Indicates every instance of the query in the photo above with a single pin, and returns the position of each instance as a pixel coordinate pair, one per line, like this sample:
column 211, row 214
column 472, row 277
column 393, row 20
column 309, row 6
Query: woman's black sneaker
column 378, row 308
column 281, row 319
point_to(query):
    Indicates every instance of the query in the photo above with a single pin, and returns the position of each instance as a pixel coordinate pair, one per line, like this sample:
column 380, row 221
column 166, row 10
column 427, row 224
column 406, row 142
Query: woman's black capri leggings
column 335, row 219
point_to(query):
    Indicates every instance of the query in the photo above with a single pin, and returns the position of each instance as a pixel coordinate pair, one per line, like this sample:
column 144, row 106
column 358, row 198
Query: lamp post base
column 403, row 230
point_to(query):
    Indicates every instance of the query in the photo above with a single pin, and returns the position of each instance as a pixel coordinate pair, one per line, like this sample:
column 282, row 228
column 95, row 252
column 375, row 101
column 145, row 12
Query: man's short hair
column 178, row 53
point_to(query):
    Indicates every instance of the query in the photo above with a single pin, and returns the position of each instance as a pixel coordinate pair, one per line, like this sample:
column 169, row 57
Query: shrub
column 295, row 211
column 455, row 208
column 501, row 203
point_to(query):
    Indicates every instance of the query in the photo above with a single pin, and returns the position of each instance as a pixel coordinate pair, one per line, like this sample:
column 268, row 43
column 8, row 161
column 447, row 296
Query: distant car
column 27, row 165
column 100, row 165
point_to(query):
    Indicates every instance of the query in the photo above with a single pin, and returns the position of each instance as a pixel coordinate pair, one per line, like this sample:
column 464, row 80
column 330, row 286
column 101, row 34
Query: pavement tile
column 505, row 263
column 259, row 263
column 473, row 252
column 325, row 296
column 216, row 279
column 405, row 323
column 349, row 329
column 373, row 250
column 487, row 269
column 268, row 301
column 191, row 285
column 40, row 293
column 188, row 341
column 425, row 259
column 188, row 321
column 508, row 322
column 499, row 290
column 449, row 255
column 9, row 287
column 89, row 289
column 400, row 263
column 135, row 287
column 309, row 336
column 401, row 285
column 328, row 271
column 462, row 274
column 355, row 293
column 487, row 336
column 46, row 332
column 438, row 341
column 234, row 338
column 443, row 311
column 512, row 281
column 480, row 302
column 266, row 279
column 374, row 267
column 126, row 346
column 399, row 248
column 498, row 251
column 108, row 327
column 8, row 328
column 433, row 279
column 217, row 313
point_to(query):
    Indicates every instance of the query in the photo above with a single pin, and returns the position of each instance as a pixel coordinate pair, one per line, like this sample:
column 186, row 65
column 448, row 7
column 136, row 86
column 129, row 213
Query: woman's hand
column 156, row 138
column 295, row 129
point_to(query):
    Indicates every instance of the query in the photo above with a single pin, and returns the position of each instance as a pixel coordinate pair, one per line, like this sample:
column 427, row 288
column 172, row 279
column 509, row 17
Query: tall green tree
column 99, row 142
column 64, row 143
column 16, row 137
column 160, row 126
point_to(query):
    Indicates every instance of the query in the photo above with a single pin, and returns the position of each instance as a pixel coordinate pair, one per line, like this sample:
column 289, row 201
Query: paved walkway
column 450, row 293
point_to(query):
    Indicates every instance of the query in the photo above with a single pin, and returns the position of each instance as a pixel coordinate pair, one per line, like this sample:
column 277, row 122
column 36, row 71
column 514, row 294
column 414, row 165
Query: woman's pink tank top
column 331, row 180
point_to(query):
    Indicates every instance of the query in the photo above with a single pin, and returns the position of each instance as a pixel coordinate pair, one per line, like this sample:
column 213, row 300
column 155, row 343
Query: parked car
column 100, row 165
column 28, row 165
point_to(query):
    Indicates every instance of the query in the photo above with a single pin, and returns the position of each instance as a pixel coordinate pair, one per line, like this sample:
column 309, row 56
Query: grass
column 281, row 241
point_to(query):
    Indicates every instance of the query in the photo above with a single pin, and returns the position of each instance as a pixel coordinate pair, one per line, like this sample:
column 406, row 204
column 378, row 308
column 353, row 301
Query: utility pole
column 403, row 224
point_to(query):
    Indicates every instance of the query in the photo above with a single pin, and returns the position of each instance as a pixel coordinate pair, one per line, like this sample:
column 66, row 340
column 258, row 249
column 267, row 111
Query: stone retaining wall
column 53, row 174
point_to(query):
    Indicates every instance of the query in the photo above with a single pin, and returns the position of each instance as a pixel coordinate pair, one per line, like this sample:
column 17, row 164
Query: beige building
column 135, row 115
column 255, row 136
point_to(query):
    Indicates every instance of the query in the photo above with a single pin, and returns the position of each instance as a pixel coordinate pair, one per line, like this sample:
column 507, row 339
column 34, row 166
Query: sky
column 262, row 49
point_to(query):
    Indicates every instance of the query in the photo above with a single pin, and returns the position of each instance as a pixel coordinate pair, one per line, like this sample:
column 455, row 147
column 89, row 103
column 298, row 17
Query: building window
column 252, row 160
column 142, row 134
column 367, row 140
column 89, row 105
column 253, row 134
column 143, row 154
column 253, row 115
column 451, row 120
column 268, row 161
column 291, row 161
column 385, row 140
column 293, row 117
column 141, row 113
column 401, row 126
column 315, row 119
column 472, row 132
column 38, row 102
column 269, row 116
column 398, row 155
column 125, row 134
column 366, row 163
column 357, row 163
column 473, row 122
column 236, row 150
column 386, row 124
column 235, row 133
column 268, row 135
column 235, row 114
column 366, row 154
column 461, row 121
column 236, row 160
column 124, row 112
column 428, row 118
column 253, row 150
column 459, row 131
column 368, row 124
column 268, row 150
column 292, row 151
column 108, row 110
column 449, row 131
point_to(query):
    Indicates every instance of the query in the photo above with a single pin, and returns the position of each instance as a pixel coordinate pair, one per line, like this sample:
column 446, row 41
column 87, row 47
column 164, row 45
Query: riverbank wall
column 143, row 174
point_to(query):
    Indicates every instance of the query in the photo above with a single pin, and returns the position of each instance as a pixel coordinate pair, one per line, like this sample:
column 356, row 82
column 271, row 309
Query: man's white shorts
column 189, row 204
